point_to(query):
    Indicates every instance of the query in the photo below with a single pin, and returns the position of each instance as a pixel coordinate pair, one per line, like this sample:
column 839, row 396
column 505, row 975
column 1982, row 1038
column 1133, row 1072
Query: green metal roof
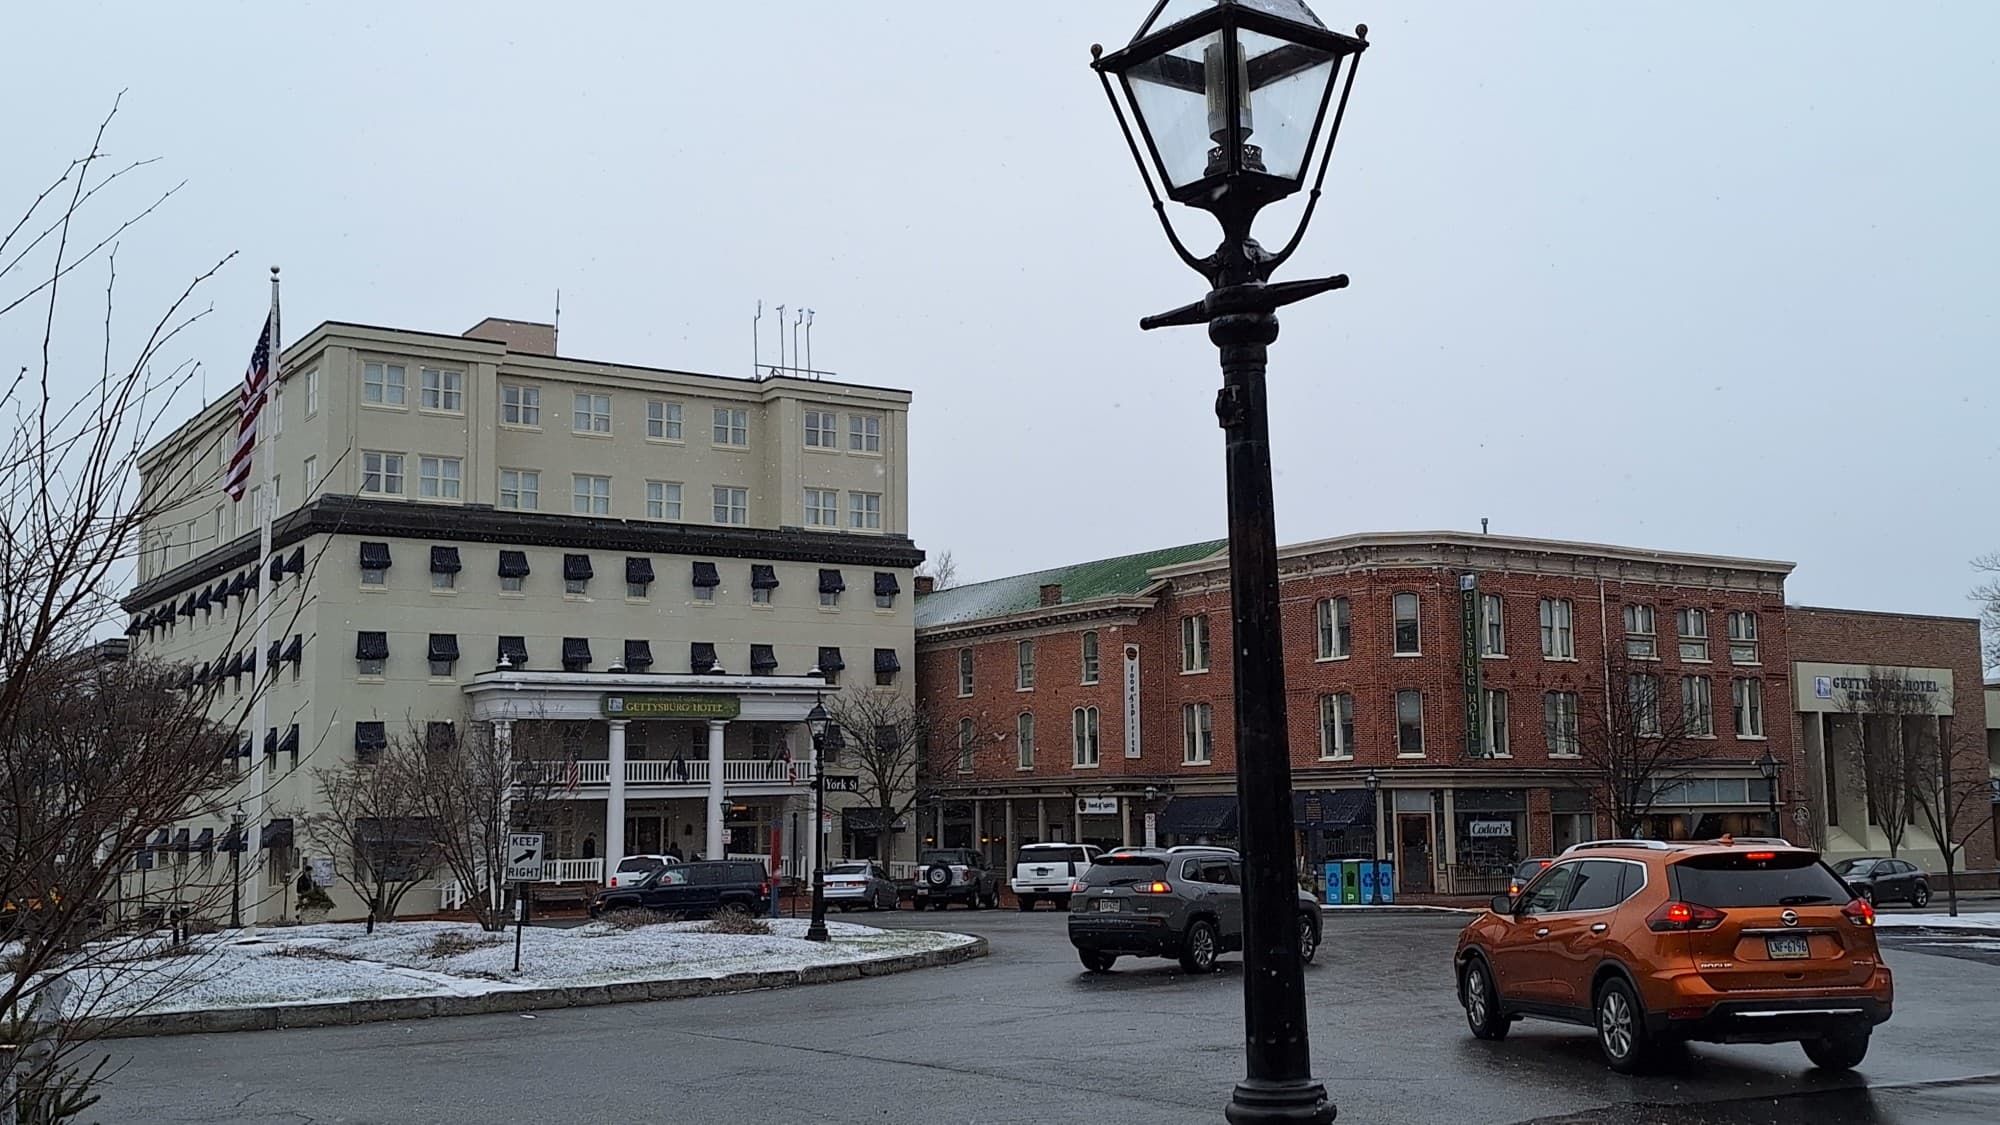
column 1123, row 576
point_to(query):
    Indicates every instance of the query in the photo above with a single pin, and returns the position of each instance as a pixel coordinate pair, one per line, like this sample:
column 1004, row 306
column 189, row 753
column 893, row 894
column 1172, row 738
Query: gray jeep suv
column 1168, row 902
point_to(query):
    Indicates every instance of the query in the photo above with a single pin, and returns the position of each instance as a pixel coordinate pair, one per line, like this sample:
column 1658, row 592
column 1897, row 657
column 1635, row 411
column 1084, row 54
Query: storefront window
column 1491, row 829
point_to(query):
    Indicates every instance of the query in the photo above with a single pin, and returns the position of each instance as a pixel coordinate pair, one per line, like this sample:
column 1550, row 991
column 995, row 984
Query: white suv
column 1048, row 871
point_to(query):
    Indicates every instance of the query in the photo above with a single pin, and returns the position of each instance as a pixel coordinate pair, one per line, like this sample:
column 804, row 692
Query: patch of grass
column 634, row 919
column 452, row 943
column 738, row 922
column 310, row 953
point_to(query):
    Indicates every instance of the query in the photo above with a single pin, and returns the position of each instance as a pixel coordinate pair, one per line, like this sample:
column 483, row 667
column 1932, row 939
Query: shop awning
column 1199, row 816
column 1332, row 808
column 865, row 820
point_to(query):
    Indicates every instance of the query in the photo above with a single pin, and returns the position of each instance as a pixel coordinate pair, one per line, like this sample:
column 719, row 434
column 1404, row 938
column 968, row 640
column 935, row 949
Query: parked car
column 1525, row 873
column 948, row 875
column 865, row 885
column 1168, row 902
column 1046, row 871
column 1879, row 880
column 633, row 869
column 1654, row 943
column 694, row 889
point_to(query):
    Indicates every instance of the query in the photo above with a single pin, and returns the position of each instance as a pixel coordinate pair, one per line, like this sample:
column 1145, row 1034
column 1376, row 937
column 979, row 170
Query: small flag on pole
column 249, row 404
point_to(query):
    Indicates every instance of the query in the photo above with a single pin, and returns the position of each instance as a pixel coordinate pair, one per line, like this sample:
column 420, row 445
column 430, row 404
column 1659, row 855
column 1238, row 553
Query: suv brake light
column 1153, row 888
column 1760, row 855
column 1858, row 913
column 1674, row 917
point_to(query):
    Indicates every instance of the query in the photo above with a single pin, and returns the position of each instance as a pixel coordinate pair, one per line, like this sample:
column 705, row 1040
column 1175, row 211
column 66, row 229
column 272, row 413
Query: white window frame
column 1743, row 637
column 664, row 500
column 1698, row 706
column 1415, row 620
column 822, row 430
column 311, row 467
column 968, row 738
column 1197, row 734
column 1691, row 633
column 440, row 478
column 441, row 389
column 312, row 392
column 822, row 507
column 1642, row 694
column 1336, row 726
column 731, row 505
column 527, row 485
column 864, row 433
column 1559, row 724
column 1024, row 666
column 524, row 402
column 590, row 413
column 1492, row 625
column 1333, row 615
column 1558, row 617
column 1747, row 701
column 1498, row 735
column 1194, row 643
column 1642, row 638
column 1024, row 740
column 1092, row 658
column 665, row 420
column 1422, row 743
column 1085, row 748
column 389, row 393
column 864, row 511
column 731, row 428
column 589, row 494
column 965, row 663
column 387, row 467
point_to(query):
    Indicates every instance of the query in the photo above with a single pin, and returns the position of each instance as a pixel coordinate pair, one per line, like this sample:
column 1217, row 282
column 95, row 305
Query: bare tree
column 1987, row 594
column 1952, row 796
column 1918, row 766
column 373, row 823
column 475, row 789
column 1640, row 740
column 941, row 569
column 888, row 739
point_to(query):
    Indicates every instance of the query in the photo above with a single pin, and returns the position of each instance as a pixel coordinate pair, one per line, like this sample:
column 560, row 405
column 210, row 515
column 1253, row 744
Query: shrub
column 452, row 943
column 733, row 921
column 633, row 919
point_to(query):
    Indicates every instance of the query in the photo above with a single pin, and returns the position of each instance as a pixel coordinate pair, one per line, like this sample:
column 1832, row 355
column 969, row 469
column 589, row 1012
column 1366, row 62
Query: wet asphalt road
column 1025, row 1036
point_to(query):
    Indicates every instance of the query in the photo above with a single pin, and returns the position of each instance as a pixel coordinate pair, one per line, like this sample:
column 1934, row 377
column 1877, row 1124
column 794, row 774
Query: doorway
column 1413, row 853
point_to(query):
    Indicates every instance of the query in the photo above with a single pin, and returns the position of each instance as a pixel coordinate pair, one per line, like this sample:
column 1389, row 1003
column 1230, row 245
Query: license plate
column 1107, row 906
column 1788, row 948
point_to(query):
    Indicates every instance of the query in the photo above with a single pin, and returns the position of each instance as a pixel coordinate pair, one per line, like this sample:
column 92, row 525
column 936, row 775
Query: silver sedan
column 864, row 885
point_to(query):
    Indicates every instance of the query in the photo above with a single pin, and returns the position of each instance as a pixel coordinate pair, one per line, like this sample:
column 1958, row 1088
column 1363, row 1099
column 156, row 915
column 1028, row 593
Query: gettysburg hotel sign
column 1861, row 687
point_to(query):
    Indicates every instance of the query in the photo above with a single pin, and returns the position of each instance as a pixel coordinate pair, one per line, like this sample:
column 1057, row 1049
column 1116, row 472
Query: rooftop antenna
column 781, row 337
column 809, row 341
column 798, row 319
column 1482, row 525
column 754, row 341
column 555, row 326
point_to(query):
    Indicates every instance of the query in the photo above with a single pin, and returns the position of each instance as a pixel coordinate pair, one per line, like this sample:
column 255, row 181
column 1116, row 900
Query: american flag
column 249, row 404
column 572, row 778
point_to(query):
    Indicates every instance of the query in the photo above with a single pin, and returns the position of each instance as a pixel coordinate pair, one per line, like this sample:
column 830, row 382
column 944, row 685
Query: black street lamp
column 825, row 737
column 1374, row 783
column 236, row 869
column 1200, row 89
column 1771, row 767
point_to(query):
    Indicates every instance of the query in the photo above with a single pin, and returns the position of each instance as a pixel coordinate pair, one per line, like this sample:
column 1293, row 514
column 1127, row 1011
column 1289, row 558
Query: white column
column 1008, row 846
column 940, row 825
column 1041, row 820
column 978, row 826
column 718, row 800
column 614, row 800
column 1124, row 822
column 1450, row 842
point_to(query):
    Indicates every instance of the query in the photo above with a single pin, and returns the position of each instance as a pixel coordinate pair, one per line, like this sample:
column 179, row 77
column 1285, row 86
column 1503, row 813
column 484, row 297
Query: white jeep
column 1047, row 871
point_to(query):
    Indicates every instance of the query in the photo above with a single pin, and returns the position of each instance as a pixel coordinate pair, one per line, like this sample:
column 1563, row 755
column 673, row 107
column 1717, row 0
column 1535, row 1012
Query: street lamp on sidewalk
column 1199, row 90
column 236, row 869
column 1374, row 783
column 825, row 736
column 1771, row 767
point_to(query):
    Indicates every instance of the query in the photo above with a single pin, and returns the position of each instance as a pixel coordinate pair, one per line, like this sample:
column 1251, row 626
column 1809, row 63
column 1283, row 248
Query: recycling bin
column 1385, row 882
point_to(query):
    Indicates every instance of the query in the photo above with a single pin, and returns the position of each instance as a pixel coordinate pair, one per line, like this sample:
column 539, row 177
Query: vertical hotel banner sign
column 1469, row 670
column 1131, row 701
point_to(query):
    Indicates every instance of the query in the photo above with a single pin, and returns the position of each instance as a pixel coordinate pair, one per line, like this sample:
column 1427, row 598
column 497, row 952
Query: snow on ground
column 1902, row 921
column 340, row 962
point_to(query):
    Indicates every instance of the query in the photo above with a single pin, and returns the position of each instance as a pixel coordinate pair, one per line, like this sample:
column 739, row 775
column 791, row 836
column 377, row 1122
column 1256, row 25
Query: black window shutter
column 444, row 560
column 639, row 655
column 701, row 656
column 830, row 582
column 830, row 661
column 576, row 653
column 706, row 576
column 371, row 646
column 444, row 646
column 638, row 571
column 374, row 556
column 513, row 564
column 576, row 567
column 763, row 576
column 763, row 660
column 514, row 651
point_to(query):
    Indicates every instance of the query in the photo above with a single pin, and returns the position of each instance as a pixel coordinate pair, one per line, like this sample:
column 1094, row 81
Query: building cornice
column 1039, row 619
column 397, row 519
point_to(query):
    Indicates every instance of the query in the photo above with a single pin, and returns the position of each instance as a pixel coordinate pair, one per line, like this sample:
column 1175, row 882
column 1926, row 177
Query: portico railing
column 677, row 771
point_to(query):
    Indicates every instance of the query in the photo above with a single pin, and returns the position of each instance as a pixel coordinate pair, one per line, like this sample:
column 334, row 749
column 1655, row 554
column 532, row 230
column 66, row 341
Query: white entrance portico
column 689, row 749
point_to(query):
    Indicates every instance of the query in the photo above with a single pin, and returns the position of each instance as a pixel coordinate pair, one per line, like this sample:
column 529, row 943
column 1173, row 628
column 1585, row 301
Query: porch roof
column 581, row 696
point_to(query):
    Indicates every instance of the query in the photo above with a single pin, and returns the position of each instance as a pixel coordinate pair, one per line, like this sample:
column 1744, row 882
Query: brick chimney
column 925, row 584
column 1052, row 593
column 525, row 336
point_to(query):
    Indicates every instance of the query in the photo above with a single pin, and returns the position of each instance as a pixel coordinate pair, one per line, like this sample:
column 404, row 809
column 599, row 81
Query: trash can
column 1385, row 882
column 1350, row 882
column 1330, row 884
column 1367, row 882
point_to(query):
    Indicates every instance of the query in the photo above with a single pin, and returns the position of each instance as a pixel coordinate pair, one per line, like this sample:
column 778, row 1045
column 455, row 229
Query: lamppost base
column 1279, row 1103
column 817, row 931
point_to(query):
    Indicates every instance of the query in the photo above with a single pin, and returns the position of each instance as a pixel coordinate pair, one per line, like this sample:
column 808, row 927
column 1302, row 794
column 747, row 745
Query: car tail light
column 1858, row 913
column 1513, row 890
column 1675, row 917
column 1153, row 888
column 1760, row 855
column 764, row 888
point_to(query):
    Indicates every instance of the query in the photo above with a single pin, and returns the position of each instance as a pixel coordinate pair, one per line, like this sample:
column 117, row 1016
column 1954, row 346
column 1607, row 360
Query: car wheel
column 1308, row 938
column 1026, row 903
column 1482, row 1001
column 1843, row 1050
column 1096, row 962
column 1200, row 947
column 1923, row 895
column 1621, row 1027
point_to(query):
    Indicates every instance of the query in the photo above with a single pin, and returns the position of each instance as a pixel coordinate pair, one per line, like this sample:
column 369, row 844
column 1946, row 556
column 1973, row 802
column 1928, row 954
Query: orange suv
column 1655, row 943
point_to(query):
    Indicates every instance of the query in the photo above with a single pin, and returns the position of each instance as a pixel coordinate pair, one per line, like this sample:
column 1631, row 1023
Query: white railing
column 573, row 871
column 686, row 771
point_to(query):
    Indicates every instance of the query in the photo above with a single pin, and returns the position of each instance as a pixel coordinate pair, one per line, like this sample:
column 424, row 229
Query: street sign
column 843, row 783
column 524, row 857
column 826, row 822
column 1801, row 816
column 1097, row 806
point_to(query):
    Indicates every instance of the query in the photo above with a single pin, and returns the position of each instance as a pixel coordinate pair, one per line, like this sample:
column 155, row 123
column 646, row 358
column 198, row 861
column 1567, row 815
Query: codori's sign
column 672, row 706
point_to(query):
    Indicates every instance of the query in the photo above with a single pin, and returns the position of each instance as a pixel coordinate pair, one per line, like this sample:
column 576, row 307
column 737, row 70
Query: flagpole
column 267, row 591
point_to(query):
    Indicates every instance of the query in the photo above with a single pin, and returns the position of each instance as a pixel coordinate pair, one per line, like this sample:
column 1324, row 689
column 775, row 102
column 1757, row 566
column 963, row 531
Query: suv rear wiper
column 1801, row 900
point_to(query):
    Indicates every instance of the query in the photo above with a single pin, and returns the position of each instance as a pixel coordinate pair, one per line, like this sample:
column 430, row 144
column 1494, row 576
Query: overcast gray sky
column 1701, row 277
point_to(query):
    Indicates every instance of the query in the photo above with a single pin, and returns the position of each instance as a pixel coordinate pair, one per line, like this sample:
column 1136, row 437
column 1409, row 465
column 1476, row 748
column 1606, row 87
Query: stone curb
column 514, row 1000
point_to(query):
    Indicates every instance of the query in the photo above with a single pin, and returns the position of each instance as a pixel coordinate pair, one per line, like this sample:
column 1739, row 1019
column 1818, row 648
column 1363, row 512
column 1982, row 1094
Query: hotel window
column 371, row 653
column 445, row 566
column 1742, row 637
column 703, row 580
column 822, row 507
column 384, row 384
column 1090, row 668
column 513, row 571
column 1336, row 726
column 1691, row 628
column 1024, row 739
column 520, row 405
column 1559, row 724
column 1410, row 723
column 312, row 479
column 590, row 496
column 312, row 392
column 1408, row 642
column 577, row 573
column 1639, row 638
column 442, row 389
column 374, row 564
column 1498, row 742
column 763, row 580
column 1558, row 632
column 1697, row 708
column 864, row 510
column 1197, row 734
column 864, row 433
column 1083, row 736
column 1492, row 625
column 438, row 477
column 663, row 420
column 1643, row 701
column 820, row 429
column 1024, row 666
column 964, row 672
column 590, row 414
column 1194, row 643
column 638, row 577
column 1749, row 696
column 382, row 473
column 887, row 664
column 663, row 500
column 520, row 489
column 886, row 589
column 732, row 505
column 1336, row 629
column 832, row 584
column 443, row 654
column 732, row 427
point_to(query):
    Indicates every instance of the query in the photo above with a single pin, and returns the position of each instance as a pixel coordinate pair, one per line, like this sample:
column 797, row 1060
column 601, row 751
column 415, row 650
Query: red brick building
column 1454, row 668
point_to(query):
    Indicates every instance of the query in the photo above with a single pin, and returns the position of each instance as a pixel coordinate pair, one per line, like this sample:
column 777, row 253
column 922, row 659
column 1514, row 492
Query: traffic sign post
column 524, row 868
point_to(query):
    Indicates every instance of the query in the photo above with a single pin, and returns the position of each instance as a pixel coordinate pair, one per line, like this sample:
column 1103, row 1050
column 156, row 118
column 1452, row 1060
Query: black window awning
column 294, row 651
column 204, row 841
column 232, row 841
column 277, row 567
column 866, row 819
column 249, row 747
column 181, row 839
column 763, row 576
column 576, row 568
column 132, row 630
column 374, row 556
column 160, row 841
column 235, row 664
column 290, row 743
column 576, row 653
column 886, row 661
column 219, row 669
column 1199, row 816
column 200, row 675
column 830, row 582
column 763, row 660
column 275, row 656
column 638, row 571
column 513, row 651
column 639, row 655
column 1332, row 808
column 237, row 585
column 885, row 585
column 205, row 600
column 444, row 560
column 270, row 741
column 705, row 576
column 444, row 647
column 187, row 607
column 371, row 734
column 371, row 646
column 513, row 564
column 250, row 661
column 296, row 564
column 277, row 833
column 830, row 661
column 219, row 593
column 701, row 657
